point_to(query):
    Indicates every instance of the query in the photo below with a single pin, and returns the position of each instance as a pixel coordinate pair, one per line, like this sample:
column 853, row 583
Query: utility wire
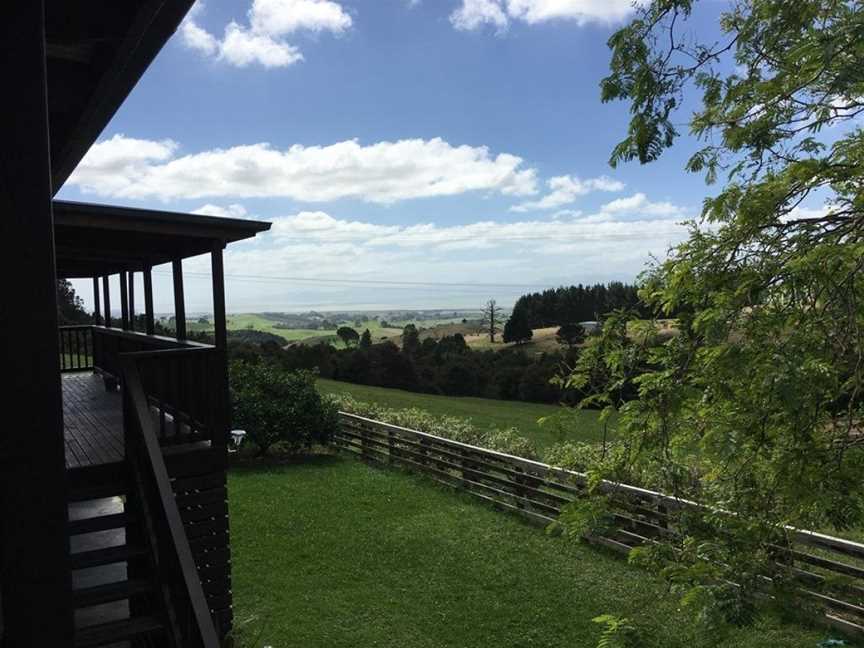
column 377, row 282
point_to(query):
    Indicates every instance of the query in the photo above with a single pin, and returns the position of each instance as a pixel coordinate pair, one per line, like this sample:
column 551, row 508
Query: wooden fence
column 829, row 571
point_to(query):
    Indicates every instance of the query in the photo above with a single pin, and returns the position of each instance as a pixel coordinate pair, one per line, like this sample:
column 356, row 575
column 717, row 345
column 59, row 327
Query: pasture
column 268, row 324
column 484, row 412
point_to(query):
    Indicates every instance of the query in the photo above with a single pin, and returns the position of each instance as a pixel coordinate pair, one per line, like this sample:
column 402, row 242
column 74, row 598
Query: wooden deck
column 92, row 421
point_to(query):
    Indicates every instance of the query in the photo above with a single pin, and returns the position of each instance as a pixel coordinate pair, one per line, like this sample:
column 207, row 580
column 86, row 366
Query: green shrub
column 448, row 427
column 282, row 408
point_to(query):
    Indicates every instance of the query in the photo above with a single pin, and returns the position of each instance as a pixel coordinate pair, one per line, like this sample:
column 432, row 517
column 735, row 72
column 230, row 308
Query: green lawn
column 334, row 553
column 484, row 412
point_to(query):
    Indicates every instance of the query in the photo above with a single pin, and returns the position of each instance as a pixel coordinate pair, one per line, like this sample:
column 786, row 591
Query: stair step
column 105, row 556
column 110, row 592
column 99, row 523
column 97, row 491
column 108, row 633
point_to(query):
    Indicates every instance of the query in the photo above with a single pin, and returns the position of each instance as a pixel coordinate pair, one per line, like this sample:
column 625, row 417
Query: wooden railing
column 76, row 348
column 190, row 623
column 828, row 570
column 183, row 393
column 183, row 382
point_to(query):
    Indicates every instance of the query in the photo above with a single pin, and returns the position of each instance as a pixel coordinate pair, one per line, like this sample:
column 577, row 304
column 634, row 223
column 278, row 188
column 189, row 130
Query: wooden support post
column 124, row 302
column 220, row 326
column 35, row 586
column 97, row 308
column 220, row 334
column 179, row 300
column 131, row 300
column 106, row 293
column 149, row 320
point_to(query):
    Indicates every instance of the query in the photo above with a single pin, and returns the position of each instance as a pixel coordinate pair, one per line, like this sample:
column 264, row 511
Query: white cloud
column 384, row 172
column 242, row 47
column 228, row 211
column 640, row 205
column 282, row 17
column 475, row 13
column 319, row 227
column 478, row 256
column 195, row 37
column 114, row 163
column 531, row 251
column 263, row 41
column 472, row 14
column 563, row 190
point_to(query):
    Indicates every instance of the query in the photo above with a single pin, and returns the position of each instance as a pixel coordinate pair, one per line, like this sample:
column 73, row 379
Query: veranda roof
column 96, row 240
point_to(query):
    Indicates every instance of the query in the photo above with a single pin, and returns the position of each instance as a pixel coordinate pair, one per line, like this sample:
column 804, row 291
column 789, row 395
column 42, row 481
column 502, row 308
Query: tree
column 366, row 339
column 410, row 339
column 70, row 307
column 570, row 334
column 517, row 329
column 348, row 335
column 490, row 319
column 764, row 382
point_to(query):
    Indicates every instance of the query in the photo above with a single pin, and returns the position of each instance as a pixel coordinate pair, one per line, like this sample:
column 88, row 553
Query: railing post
column 223, row 409
column 179, row 300
column 131, row 300
column 97, row 315
column 124, row 302
column 106, row 293
column 149, row 322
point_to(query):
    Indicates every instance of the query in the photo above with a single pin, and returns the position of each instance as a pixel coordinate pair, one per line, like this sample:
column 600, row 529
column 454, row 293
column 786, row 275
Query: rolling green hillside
column 484, row 412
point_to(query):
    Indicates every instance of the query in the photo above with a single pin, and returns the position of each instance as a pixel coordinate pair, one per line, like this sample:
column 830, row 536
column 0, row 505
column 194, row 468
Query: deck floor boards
column 92, row 421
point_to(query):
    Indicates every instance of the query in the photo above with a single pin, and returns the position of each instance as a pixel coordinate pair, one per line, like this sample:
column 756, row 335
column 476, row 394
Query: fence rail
column 828, row 570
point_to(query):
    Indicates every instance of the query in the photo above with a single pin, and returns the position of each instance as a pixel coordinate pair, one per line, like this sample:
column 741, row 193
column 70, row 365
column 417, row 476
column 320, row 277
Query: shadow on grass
column 243, row 462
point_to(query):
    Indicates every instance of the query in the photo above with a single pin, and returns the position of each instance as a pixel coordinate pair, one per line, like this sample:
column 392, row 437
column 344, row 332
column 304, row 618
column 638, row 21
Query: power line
column 375, row 282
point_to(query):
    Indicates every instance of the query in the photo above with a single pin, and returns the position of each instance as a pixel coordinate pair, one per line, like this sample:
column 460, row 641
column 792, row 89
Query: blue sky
column 452, row 142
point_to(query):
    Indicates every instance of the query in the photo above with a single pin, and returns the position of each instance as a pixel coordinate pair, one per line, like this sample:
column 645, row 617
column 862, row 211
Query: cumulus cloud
column 320, row 228
column 383, row 172
column 242, row 47
column 639, row 204
column 228, row 211
column 263, row 40
column 476, row 13
column 473, row 14
column 195, row 37
column 564, row 190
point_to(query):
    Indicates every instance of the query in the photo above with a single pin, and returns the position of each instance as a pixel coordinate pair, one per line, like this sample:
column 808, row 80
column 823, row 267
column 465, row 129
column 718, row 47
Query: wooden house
column 113, row 506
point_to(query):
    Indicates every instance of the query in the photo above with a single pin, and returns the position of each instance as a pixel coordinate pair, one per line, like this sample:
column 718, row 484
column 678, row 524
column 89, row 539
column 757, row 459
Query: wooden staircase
column 116, row 597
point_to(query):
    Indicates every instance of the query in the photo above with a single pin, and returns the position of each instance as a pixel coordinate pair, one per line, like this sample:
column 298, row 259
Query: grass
column 543, row 341
column 334, row 553
column 254, row 321
column 485, row 412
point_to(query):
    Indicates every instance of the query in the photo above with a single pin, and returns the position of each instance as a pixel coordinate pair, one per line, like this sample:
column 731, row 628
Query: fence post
column 364, row 435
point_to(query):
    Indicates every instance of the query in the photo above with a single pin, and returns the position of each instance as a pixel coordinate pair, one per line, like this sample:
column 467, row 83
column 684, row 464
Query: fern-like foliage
column 618, row 632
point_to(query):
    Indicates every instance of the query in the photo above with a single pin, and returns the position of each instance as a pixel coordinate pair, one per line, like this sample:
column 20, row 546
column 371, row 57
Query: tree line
column 446, row 366
column 573, row 304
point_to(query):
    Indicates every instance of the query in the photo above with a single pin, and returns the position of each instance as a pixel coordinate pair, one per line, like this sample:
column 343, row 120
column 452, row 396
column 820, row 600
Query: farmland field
column 484, row 412
column 333, row 553
column 270, row 324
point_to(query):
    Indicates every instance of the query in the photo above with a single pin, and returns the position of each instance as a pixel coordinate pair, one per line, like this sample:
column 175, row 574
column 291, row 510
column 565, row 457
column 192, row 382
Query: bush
column 448, row 427
column 282, row 408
